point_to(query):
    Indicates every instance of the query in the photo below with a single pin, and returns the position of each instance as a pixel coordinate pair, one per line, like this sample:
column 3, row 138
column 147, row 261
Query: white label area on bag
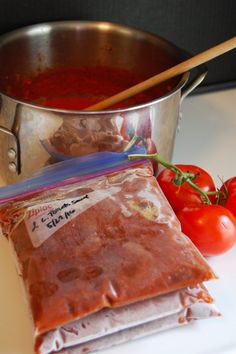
column 43, row 220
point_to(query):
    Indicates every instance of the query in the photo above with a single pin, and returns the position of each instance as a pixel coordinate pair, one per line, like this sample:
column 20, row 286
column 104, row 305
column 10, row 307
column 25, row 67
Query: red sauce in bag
column 105, row 242
column 79, row 87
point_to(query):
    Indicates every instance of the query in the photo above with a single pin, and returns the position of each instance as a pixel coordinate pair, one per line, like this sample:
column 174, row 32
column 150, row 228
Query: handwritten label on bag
column 43, row 220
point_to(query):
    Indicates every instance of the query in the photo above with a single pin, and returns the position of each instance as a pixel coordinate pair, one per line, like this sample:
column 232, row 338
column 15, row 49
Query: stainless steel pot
column 32, row 136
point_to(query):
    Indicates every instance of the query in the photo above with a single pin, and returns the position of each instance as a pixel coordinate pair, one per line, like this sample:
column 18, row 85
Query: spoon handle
column 176, row 70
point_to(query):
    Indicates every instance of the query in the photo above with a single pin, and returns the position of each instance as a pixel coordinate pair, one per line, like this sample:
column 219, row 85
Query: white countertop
column 207, row 138
column 207, row 135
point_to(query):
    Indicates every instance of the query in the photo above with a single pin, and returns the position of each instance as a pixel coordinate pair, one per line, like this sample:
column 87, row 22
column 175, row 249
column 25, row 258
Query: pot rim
column 48, row 26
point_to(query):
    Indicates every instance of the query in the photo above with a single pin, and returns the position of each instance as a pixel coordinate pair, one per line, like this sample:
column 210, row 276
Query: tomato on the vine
column 212, row 228
column 231, row 203
column 180, row 196
column 229, row 190
column 192, row 194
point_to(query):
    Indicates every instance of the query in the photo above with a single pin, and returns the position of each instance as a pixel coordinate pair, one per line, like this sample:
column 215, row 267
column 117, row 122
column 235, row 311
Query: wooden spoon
column 167, row 74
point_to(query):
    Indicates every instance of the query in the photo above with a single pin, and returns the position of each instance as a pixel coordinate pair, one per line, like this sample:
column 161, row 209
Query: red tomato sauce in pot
column 76, row 88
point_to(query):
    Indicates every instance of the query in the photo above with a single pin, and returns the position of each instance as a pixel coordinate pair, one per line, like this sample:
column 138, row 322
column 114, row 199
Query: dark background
column 194, row 25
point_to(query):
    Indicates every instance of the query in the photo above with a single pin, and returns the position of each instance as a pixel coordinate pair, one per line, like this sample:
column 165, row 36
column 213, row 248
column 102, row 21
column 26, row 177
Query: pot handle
column 11, row 143
column 13, row 150
column 201, row 73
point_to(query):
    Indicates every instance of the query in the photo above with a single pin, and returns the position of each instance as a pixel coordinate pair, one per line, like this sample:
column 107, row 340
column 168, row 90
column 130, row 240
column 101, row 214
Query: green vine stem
column 180, row 176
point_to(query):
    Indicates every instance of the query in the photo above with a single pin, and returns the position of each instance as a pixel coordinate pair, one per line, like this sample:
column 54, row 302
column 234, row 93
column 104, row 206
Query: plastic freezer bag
column 104, row 242
column 108, row 327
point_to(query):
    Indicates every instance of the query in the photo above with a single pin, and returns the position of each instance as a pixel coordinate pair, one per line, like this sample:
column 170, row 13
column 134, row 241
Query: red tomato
column 231, row 203
column 229, row 185
column 212, row 228
column 229, row 189
column 180, row 196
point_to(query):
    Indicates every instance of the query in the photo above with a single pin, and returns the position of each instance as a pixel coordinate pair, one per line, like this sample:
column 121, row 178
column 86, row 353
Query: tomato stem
column 183, row 177
column 216, row 193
